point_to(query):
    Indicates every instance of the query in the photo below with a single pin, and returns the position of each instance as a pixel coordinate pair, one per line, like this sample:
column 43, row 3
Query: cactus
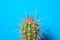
column 30, row 30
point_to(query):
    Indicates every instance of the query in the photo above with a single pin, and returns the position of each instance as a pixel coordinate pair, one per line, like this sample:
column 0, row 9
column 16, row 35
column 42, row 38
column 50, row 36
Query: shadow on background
column 45, row 35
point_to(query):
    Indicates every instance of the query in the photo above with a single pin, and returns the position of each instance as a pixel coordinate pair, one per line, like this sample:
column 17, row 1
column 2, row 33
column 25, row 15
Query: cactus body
column 30, row 30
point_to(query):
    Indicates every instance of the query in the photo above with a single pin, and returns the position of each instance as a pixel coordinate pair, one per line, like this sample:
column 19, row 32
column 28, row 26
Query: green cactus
column 30, row 30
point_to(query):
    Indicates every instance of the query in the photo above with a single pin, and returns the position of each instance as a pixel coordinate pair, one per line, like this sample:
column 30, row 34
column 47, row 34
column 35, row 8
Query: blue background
column 12, row 13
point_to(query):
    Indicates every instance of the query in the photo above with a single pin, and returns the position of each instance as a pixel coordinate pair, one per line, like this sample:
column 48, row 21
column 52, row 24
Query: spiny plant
column 30, row 30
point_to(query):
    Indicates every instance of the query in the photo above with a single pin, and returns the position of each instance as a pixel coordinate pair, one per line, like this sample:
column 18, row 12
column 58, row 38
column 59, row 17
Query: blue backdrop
column 12, row 12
